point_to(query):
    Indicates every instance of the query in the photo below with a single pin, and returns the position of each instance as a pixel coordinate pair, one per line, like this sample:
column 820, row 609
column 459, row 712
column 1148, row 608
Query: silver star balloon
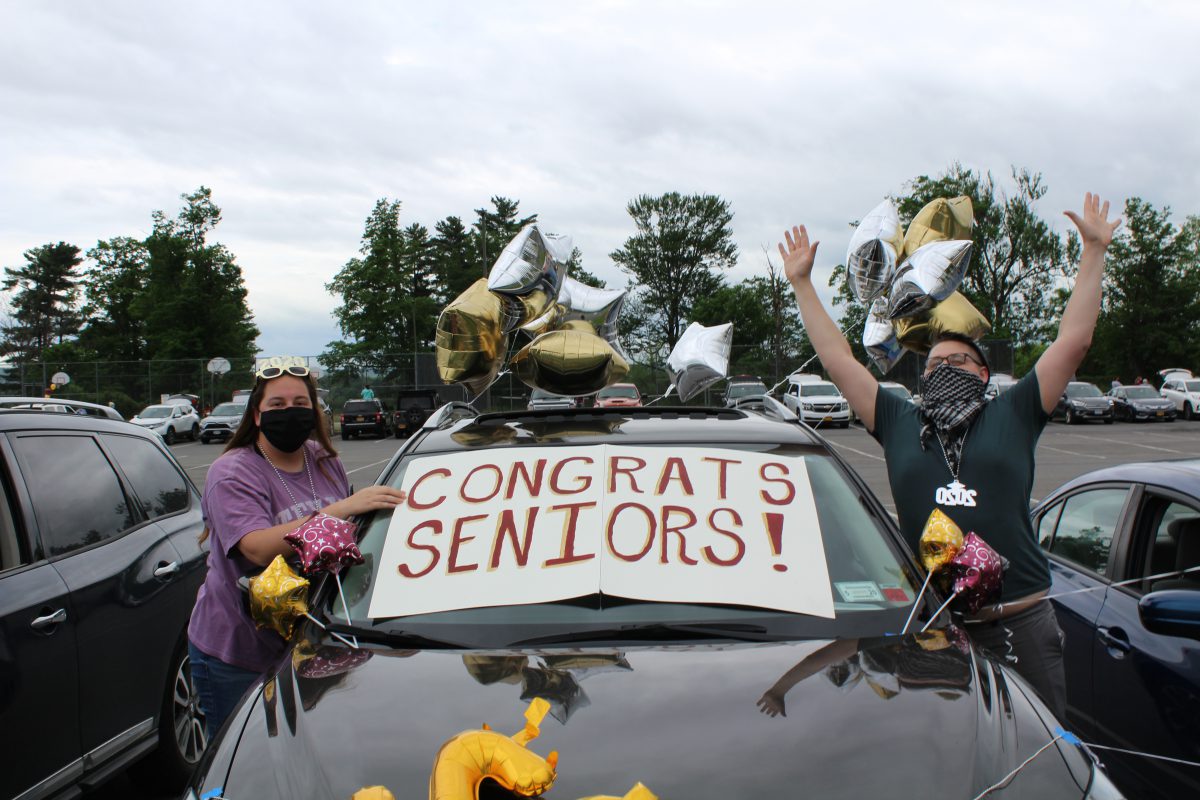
column 879, row 337
column 929, row 276
column 531, row 261
column 700, row 358
column 871, row 255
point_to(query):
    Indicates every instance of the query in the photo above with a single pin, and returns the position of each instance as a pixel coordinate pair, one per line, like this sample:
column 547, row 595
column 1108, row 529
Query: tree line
column 174, row 294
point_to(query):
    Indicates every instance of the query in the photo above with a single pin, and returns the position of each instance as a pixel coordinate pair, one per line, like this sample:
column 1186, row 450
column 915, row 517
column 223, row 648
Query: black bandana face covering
column 287, row 428
column 950, row 399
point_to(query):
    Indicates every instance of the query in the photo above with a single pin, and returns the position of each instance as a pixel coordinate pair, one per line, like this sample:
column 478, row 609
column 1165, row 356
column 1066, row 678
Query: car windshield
column 156, row 412
column 899, row 391
column 618, row 391
column 229, row 410
column 361, row 407
column 818, row 390
column 541, row 394
column 746, row 389
column 1141, row 393
column 870, row 586
column 1083, row 390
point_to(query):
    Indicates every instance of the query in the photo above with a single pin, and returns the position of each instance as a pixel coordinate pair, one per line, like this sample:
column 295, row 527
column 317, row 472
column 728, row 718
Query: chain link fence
column 132, row 385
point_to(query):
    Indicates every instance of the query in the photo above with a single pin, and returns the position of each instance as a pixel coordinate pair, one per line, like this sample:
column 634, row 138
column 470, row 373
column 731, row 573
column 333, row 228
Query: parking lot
column 1064, row 451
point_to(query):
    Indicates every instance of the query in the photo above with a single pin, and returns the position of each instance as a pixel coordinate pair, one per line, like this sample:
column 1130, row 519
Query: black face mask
column 287, row 428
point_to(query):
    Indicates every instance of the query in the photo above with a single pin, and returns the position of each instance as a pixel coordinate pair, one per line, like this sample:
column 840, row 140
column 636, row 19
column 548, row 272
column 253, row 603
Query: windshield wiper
column 671, row 632
column 396, row 638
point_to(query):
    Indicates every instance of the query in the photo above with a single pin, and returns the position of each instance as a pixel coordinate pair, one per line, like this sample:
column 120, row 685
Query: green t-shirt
column 996, row 472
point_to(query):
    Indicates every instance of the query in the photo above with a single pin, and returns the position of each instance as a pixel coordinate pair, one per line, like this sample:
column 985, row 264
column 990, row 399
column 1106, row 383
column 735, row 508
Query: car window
column 76, row 494
column 818, row 390
column 229, row 410
column 1192, row 386
column 361, row 407
column 1082, row 390
column 857, row 553
column 10, row 545
column 1046, row 523
column 161, row 490
column 1085, row 530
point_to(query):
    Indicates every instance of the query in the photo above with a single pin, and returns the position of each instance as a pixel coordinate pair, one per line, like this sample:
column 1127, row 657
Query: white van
column 816, row 401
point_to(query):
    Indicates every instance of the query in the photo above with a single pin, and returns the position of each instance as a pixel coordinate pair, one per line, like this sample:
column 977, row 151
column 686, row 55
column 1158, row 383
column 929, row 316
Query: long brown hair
column 246, row 434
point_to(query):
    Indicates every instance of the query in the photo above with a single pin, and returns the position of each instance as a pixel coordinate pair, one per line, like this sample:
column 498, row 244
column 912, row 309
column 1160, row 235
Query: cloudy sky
column 299, row 115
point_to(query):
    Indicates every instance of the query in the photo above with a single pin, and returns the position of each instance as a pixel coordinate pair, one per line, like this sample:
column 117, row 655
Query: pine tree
column 44, row 309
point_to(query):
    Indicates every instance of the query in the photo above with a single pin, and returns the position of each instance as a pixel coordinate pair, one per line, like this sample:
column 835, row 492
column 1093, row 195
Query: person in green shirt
column 973, row 459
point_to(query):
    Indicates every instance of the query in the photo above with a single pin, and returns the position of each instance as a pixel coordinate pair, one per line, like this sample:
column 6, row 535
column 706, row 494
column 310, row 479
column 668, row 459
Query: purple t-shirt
column 243, row 494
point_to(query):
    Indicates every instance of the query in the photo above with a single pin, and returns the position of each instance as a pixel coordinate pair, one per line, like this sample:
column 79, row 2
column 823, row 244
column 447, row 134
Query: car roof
column 1178, row 474
column 647, row 425
column 32, row 419
column 35, row 403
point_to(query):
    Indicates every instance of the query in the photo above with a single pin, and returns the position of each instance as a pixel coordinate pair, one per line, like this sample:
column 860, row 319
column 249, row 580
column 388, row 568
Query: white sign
column 533, row 525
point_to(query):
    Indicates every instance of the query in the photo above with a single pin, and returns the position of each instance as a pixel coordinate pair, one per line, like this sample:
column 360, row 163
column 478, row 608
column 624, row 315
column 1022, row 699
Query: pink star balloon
column 325, row 543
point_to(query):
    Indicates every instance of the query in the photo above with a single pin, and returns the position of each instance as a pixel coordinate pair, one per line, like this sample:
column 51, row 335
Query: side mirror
column 1171, row 612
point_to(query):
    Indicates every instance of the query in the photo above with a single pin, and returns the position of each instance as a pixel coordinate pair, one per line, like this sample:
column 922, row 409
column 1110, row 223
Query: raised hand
column 799, row 255
column 1094, row 227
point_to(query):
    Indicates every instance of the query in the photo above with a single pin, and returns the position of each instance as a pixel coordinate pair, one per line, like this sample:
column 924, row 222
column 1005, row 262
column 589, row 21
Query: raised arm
column 856, row 381
column 1064, row 355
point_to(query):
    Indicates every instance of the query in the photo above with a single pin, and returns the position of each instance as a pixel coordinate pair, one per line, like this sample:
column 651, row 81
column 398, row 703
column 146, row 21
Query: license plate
column 1160, row 414
column 827, row 419
column 359, row 419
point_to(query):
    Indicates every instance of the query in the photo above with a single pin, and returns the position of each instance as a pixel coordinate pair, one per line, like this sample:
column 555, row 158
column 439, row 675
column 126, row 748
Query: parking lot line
column 368, row 466
column 1133, row 444
column 1069, row 452
column 852, row 450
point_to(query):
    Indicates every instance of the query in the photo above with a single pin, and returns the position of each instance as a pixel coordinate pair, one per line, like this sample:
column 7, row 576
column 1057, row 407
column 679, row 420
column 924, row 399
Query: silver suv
column 170, row 421
column 1184, row 392
column 222, row 422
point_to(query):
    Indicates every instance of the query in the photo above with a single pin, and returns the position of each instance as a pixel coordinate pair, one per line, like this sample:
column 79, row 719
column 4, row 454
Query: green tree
column 43, row 306
column 1150, row 317
column 681, row 245
column 194, row 298
column 576, row 270
column 113, row 330
column 457, row 267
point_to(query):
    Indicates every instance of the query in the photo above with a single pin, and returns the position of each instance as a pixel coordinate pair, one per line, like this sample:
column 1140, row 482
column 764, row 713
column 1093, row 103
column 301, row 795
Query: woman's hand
column 1094, row 227
column 372, row 498
column 799, row 256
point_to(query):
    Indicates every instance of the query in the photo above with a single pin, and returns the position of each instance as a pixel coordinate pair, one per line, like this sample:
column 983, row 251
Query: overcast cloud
column 300, row 115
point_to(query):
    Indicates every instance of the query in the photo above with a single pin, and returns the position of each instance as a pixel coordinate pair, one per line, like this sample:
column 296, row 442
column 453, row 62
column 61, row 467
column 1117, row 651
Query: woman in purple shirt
column 270, row 479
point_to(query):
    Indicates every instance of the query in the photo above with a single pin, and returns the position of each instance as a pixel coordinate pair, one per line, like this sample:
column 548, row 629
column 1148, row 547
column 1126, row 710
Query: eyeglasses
column 954, row 360
column 274, row 367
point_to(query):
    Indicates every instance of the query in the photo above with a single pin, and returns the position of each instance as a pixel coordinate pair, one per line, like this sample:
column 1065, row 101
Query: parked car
column 366, row 416
column 748, row 561
column 741, row 389
column 222, row 422
column 413, row 407
column 541, row 400
column 1133, row 403
column 1184, row 394
column 1115, row 538
column 1174, row 372
column 818, row 402
column 99, row 567
column 998, row 383
column 619, row 395
column 170, row 421
column 61, row 405
column 1082, row 402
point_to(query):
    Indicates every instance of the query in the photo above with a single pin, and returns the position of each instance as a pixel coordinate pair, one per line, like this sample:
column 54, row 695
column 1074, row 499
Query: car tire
column 181, row 736
column 1069, row 417
column 1188, row 412
column 169, row 436
column 195, row 431
column 1108, row 420
column 205, row 440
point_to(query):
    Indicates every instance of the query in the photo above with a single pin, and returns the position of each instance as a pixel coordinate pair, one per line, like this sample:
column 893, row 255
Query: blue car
column 1128, row 534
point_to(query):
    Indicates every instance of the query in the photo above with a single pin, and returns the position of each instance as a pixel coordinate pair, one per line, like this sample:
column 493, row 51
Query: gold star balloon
column 940, row 541
column 939, row 220
column 954, row 314
column 278, row 598
column 471, row 340
column 570, row 361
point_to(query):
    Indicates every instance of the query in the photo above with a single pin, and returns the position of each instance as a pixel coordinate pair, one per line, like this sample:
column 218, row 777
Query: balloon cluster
column 910, row 278
column 574, row 349
column 967, row 567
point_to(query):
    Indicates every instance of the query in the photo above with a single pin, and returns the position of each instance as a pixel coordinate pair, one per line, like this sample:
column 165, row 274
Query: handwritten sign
column 535, row 525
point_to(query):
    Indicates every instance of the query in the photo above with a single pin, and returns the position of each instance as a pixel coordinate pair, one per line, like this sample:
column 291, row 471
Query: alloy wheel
column 190, row 739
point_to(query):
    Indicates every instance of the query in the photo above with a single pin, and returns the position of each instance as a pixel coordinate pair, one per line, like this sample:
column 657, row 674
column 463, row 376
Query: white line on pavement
column 1134, row 444
column 1070, row 452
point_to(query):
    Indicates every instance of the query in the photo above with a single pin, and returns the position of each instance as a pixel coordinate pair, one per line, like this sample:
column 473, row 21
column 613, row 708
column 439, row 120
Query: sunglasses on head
column 954, row 360
column 268, row 371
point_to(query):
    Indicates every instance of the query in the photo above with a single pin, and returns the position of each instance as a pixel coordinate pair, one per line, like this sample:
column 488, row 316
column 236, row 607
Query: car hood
column 893, row 719
column 1090, row 402
column 150, row 422
column 1157, row 402
column 224, row 419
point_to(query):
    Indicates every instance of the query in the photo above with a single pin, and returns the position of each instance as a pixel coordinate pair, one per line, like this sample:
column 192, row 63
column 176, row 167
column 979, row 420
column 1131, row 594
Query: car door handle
column 50, row 620
column 1114, row 638
column 165, row 570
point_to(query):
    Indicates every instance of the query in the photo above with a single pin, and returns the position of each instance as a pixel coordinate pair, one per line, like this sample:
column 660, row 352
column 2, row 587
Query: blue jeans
column 220, row 687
